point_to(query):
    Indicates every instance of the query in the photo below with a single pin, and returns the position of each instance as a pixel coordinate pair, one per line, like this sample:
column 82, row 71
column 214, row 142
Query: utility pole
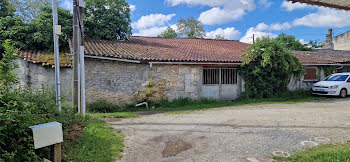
column 78, row 57
column 75, row 53
column 56, row 32
column 253, row 38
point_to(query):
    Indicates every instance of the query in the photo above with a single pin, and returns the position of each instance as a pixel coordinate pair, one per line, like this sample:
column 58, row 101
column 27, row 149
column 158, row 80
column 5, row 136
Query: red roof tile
column 45, row 58
column 322, row 57
column 168, row 49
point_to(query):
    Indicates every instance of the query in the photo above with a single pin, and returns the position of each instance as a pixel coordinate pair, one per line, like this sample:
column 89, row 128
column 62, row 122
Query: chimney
column 328, row 43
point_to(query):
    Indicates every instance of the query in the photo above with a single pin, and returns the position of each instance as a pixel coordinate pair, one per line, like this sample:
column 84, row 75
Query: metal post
column 82, row 81
column 56, row 51
column 76, row 42
column 82, row 62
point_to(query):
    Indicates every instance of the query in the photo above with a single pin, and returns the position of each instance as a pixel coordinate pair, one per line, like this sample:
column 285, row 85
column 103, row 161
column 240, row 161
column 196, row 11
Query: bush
column 267, row 68
column 20, row 109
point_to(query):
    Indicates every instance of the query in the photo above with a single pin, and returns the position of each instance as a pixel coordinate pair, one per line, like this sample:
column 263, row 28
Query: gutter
column 192, row 63
column 113, row 59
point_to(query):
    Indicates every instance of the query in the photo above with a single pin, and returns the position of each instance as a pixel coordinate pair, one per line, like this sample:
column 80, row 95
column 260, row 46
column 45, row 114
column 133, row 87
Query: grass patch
column 98, row 142
column 116, row 115
column 185, row 104
column 322, row 153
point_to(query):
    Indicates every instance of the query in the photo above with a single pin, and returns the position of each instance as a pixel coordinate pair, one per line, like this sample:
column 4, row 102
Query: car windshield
column 337, row 78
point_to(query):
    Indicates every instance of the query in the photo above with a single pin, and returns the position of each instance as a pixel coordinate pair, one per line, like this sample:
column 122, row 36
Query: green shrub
column 267, row 68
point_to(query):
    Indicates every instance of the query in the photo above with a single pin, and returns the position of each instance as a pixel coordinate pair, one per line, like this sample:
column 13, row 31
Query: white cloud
column 324, row 17
column 132, row 8
column 227, row 33
column 302, row 41
column 151, row 32
column 265, row 3
column 248, row 38
column 152, row 20
column 289, row 6
column 68, row 4
column 222, row 11
column 259, row 31
column 220, row 16
column 273, row 27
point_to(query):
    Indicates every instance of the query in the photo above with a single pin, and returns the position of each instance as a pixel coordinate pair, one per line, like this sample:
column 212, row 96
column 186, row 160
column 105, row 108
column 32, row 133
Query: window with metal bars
column 212, row 76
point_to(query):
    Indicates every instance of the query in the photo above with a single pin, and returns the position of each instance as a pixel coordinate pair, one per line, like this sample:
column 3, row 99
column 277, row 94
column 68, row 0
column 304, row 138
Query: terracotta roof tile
column 168, row 49
column 324, row 57
column 45, row 58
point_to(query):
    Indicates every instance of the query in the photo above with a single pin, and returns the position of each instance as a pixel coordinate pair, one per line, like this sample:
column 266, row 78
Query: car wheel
column 343, row 93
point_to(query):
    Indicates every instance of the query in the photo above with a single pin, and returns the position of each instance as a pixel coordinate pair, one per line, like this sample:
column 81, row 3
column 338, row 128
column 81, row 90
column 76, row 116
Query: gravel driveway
column 241, row 133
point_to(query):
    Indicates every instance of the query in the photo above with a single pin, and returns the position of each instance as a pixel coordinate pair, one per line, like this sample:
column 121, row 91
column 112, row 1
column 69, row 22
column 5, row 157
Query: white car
column 334, row 85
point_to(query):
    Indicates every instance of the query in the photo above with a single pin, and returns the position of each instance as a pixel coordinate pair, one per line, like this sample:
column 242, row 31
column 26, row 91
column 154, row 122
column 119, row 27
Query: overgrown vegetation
column 21, row 108
column 98, row 142
column 267, row 68
column 322, row 153
column 183, row 104
column 293, row 44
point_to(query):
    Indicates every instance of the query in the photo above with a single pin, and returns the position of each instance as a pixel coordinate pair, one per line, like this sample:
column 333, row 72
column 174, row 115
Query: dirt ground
column 241, row 133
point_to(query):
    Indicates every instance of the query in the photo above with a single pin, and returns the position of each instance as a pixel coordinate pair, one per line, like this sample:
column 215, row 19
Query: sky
column 237, row 19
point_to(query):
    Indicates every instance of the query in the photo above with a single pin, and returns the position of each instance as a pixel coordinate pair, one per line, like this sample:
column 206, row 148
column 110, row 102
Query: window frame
column 310, row 79
column 220, row 76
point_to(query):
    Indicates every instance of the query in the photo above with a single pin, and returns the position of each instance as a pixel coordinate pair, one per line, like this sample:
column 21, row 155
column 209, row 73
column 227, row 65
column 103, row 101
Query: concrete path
column 243, row 133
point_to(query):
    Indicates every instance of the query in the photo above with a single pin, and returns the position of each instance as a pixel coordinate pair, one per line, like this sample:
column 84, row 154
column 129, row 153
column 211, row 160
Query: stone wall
column 38, row 77
column 122, row 83
column 342, row 42
column 301, row 84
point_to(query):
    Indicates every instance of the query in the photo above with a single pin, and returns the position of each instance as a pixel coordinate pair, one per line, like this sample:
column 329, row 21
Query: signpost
column 49, row 134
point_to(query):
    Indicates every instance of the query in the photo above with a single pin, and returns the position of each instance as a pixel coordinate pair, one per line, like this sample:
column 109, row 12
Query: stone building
column 160, row 68
column 338, row 43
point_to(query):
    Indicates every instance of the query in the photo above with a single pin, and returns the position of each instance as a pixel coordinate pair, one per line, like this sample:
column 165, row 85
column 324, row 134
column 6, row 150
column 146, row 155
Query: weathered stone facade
column 301, row 84
column 342, row 42
column 38, row 77
column 121, row 83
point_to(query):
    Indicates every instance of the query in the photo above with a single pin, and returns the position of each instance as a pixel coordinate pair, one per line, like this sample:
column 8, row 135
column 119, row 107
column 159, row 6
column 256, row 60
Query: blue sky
column 238, row 19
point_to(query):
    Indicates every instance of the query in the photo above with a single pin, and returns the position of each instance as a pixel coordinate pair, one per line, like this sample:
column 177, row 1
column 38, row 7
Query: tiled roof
column 338, row 4
column 323, row 56
column 168, row 49
column 45, row 58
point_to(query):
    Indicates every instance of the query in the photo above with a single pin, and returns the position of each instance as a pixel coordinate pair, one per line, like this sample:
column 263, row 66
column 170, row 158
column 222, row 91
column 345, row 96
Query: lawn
column 322, row 153
column 115, row 114
column 97, row 142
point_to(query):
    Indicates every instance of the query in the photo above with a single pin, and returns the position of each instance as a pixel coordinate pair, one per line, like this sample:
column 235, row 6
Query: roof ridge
column 189, row 38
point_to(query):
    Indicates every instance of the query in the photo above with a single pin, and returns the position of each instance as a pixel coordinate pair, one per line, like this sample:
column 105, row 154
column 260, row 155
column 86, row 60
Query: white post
column 56, row 51
column 82, row 80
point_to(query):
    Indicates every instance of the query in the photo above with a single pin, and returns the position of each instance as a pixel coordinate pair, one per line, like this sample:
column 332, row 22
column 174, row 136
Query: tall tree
column 107, row 19
column 191, row 28
column 37, row 34
column 6, row 8
column 220, row 37
column 29, row 9
column 168, row 33
column 293, row 44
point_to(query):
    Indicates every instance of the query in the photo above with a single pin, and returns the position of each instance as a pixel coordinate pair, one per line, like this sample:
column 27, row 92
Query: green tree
column 293, row 44
column 28, row 10
column 6, row 8
column 219, row 37
column 41, row 29
column 267, row 68
column 168, row 33
column 7, row 65
column 37, row 34
column 191, row 28
column 107, row 19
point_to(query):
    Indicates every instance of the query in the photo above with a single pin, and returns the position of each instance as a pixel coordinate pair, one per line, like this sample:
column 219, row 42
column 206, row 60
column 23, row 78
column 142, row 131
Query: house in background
column 117, row 71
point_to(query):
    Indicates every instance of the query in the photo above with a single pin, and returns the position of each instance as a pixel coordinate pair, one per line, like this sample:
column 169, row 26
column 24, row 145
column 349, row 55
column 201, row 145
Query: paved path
column 234, row 133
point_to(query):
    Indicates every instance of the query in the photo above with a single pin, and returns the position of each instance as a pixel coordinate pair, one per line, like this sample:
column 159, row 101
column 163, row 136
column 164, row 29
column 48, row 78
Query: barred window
column 212, row 76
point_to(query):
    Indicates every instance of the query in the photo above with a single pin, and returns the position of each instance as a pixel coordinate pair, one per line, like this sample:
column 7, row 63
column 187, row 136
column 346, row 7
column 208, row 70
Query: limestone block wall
column 301, row 84
column 342, row 42
column 38, row 77
column 121, row 83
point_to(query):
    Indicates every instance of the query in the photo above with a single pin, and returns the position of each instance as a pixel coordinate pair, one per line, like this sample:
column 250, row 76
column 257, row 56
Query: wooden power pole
column 78, row 56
